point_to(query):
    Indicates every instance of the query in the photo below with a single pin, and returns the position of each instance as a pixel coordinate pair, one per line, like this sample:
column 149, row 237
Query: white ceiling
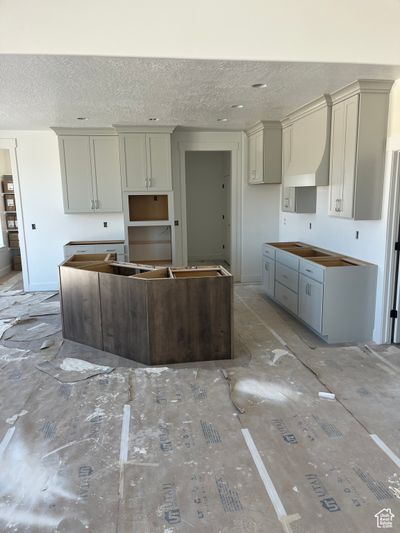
column 37, row 92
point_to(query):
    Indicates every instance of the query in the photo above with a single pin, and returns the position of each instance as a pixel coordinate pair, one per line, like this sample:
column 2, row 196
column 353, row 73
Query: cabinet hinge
column 393, row 313
column 397, row 246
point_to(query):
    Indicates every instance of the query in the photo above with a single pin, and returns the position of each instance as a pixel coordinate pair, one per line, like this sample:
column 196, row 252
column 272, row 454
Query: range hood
column 306, row 141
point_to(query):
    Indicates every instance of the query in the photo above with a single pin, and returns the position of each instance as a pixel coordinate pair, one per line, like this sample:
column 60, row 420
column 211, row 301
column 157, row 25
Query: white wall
column 5, row 256
column 41, row 194
column 339, row 234
column 364, row 31
column 205, row 205
column 260, row 224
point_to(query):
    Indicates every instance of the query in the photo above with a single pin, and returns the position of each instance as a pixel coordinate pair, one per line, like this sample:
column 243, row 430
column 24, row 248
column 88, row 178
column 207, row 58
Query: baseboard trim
column 250, row 279
column 42, row 287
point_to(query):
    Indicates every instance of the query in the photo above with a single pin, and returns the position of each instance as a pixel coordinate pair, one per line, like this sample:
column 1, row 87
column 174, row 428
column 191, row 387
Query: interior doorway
column 13, row 249
column 208, row 206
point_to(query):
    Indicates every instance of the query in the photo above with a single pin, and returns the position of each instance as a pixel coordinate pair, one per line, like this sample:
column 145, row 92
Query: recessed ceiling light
column 237, row 106
column 153, row 119
column 259, row 85
column 81, row 118
column 222, row 120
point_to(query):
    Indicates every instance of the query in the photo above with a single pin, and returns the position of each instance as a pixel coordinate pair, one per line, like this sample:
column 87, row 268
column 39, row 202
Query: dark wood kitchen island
column 152, row 315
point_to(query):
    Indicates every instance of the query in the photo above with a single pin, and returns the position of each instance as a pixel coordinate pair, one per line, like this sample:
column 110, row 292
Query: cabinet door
column 159, row 161
column 286, row 148
column 288, row 199
column 259, row 140
column 134, row 161
column 268, row 276
column 336, row 159
column 107, row 180
column 76, row 171
column 310, row 302
column 350, row 154
column 252, row 158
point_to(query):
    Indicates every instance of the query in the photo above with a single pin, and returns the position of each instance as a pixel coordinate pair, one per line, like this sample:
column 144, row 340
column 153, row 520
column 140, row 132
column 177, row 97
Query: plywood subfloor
column 236, row 446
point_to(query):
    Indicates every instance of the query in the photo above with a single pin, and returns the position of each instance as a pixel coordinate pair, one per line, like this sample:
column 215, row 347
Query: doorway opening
column 208, row 207
column 10, row 254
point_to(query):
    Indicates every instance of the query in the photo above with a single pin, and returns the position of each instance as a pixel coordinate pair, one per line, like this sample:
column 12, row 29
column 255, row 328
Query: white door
column 310, row 302
column 268, row 276
column 350, row 154
column 134, row 162
column 76, row 168
column 336, row 159
column 159, row 161
column 107, row 180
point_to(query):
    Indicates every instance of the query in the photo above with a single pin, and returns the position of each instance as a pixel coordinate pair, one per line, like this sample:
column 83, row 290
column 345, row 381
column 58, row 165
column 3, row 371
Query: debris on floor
column 71, row 369
column 250, row 449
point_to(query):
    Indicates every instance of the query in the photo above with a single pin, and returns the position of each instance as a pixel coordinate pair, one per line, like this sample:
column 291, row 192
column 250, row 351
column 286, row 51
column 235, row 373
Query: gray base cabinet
column 268, row 276
column 334, row 295
column 311, row 295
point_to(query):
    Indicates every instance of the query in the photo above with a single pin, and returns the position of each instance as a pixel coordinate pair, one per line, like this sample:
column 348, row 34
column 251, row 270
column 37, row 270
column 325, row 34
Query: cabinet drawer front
column 288, row 259
column 83, row 249
column 109, row 248
column 312, row 270
column 286, row 297
column 269, row 250
column 287, row 276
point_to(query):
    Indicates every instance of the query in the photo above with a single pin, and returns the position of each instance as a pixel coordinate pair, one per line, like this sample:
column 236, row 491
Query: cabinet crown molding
column 264, row 125
column 126, row 128
column 360, row 87
column 84, row 131
column 307, row 109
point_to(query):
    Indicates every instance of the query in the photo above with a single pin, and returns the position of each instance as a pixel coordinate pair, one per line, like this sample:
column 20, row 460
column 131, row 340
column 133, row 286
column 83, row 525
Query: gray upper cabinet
column 145, row 159
column 90, row 171
column 265, row 153
column 306, row 136
column 358, row 136
column 133, row 162
column 107, row 182
column 295, row 199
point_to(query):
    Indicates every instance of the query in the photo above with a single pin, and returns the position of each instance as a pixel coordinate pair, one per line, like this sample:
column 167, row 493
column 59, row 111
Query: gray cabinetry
column 268, row 275
column 265, row 153
column 90, row 171
column 310, row 302
column 332, row 294
column 145, row 159
column 358, row 135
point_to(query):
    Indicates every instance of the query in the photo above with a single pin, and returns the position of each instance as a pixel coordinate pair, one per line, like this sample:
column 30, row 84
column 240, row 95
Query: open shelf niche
column 150, row 244
column 148, row 207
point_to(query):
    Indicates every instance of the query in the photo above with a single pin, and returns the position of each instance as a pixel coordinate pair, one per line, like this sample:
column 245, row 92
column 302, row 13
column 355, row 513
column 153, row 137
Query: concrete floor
column 245, row 445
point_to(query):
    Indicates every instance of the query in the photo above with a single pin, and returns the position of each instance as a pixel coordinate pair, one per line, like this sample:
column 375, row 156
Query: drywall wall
column 5, row 256
column 205, row 205
column 41, row 194
column 364, row 31
column 339, row 234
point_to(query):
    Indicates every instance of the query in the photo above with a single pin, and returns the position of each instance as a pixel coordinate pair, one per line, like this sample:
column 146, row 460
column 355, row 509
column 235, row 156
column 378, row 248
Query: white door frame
column 205, row 142
column 391, row 237
column 11, row 146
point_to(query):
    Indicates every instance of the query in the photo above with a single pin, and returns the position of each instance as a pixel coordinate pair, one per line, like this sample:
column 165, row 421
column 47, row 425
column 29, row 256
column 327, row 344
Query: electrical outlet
column 105, row 224
column 284, row 221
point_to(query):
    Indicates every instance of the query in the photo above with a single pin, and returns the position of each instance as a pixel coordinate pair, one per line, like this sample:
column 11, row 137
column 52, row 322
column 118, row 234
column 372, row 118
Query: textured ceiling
column 37, row 92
